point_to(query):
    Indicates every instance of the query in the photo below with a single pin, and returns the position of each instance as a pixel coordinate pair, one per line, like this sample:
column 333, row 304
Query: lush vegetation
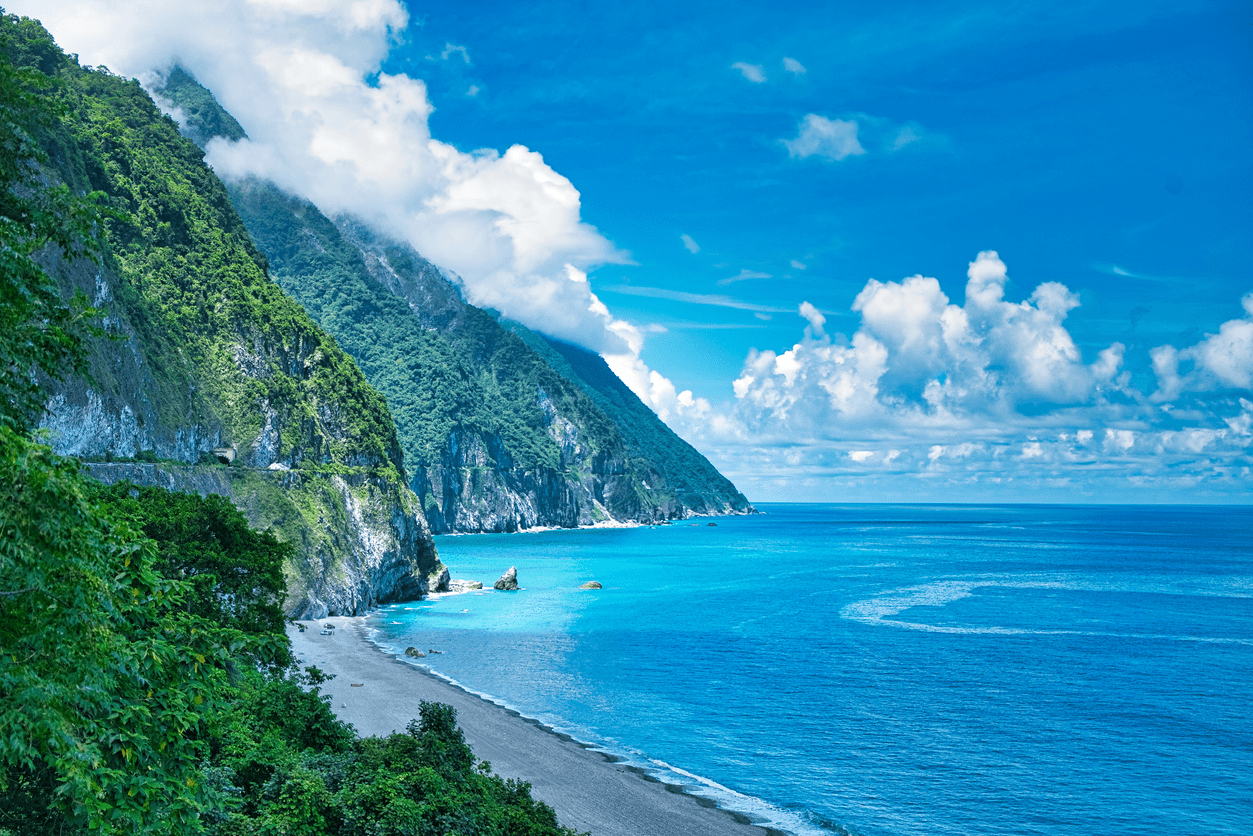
column 145, row 681
column 464, row 371
column 234, row 575
column 478, row 376
column 223, row 344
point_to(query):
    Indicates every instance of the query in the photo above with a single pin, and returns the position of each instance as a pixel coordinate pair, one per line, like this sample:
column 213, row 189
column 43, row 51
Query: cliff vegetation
column 195, row 349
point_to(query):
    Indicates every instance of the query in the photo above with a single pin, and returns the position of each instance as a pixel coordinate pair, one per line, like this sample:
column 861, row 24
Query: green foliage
column 423, row 781
column 234, row 574
column 481, row 378
column 104, row 674
column 205, row 117
column 223, row 343
column 38, row 331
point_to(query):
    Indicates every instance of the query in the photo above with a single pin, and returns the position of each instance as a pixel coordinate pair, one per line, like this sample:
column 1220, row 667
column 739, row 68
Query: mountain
column 502, row 429
column 208, row 377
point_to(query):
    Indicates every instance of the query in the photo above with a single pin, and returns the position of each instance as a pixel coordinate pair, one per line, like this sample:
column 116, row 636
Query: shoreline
column 591, row 789
column 610, row 523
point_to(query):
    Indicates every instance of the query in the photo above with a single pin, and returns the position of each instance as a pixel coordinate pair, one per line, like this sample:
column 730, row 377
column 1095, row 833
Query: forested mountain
column 201, row 352
column 501, row 428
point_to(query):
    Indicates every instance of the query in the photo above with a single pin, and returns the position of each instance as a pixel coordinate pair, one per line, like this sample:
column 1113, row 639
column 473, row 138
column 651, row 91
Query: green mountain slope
column 205, row 353
column 500, row 429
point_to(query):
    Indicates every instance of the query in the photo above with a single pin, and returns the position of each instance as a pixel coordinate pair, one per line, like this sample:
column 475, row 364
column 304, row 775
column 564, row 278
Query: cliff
column 202, row 351
column 501, row 429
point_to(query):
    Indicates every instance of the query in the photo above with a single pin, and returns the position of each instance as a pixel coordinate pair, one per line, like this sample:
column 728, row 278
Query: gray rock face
column 476, row 486
column 508, row 581
column 364, row 550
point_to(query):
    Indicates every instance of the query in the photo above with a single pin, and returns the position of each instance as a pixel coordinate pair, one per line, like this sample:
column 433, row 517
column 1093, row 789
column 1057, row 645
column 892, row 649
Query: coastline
column 591, row 790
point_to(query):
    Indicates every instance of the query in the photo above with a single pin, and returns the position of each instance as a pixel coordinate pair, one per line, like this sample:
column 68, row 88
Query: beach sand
column 589, row 791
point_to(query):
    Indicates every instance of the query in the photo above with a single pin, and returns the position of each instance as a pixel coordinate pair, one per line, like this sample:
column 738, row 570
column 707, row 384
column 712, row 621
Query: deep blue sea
column 886, row 670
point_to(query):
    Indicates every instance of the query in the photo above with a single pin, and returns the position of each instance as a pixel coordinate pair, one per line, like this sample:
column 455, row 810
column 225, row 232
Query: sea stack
column 591, row 585
column 509, row 580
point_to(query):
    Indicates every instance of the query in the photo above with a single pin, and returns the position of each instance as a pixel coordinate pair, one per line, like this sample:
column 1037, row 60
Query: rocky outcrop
column 508, row 581
column 591, row 585
column 359, row 542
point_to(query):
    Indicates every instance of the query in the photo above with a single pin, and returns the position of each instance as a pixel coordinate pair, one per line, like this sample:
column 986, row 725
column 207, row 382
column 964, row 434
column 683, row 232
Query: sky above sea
column 892, row 251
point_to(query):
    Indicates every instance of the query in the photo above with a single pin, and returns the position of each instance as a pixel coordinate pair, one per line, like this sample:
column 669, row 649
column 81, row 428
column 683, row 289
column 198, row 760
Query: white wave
column 879, row 609
column 760, row 811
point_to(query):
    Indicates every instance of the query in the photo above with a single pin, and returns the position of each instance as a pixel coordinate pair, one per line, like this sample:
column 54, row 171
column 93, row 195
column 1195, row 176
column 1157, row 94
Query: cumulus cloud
column 831, row 139
column 690, row 243
column 752, row 72
column 1220, row 361
column 919, row 359
column 982, row 395
column 323, row 122
column 793, row 66
column 798, row 265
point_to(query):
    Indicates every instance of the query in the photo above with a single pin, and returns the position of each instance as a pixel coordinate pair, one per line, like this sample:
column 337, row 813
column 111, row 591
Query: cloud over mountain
column 323, row 122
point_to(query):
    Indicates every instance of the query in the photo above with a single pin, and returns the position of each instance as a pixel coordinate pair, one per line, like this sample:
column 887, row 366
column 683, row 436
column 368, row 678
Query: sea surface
column 885, row 670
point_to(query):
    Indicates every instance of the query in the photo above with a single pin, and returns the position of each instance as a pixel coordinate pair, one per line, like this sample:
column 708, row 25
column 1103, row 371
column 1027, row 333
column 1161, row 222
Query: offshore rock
column 591, row 585
column 414, row 652
column 438, row 580
column 508, row 581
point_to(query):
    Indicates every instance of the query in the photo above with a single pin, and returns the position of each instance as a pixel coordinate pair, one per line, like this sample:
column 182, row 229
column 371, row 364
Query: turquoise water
column 886, row 669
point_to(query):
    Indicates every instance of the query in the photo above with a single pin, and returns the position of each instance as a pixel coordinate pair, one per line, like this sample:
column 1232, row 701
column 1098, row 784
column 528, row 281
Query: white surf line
column 761, row 811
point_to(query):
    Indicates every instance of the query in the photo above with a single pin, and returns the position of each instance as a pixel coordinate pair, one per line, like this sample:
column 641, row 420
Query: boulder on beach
column 414, row 652
column 509, row 580
column 591, row 585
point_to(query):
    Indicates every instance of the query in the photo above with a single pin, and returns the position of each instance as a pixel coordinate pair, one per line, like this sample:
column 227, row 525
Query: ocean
column 885, row 670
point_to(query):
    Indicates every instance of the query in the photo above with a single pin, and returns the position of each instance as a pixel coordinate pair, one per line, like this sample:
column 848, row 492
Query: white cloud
column 1220, row 361
column 744, row 275
column 831, row 139
column 860, row 456
column 854, row 135
column 473, row 90
column 793, row 66
column 717, row 300
column 303, row 79
column 752, row 72
column 976, row 399
column 689, row 243
column 450, row 50
column 798, row 265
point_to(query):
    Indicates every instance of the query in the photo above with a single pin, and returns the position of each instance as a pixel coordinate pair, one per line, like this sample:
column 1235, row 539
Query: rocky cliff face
column 474, row 484
column 202, row 351
column 363, row 544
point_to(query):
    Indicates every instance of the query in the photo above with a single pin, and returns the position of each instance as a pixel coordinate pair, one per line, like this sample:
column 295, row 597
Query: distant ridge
column 502, row 429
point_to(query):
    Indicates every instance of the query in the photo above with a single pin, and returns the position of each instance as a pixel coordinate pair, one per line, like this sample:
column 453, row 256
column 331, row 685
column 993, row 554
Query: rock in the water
column 438, row 580
column 413, row 651
column 509, row 580
column 591, row 585
column 713, row 524
column 462, row 585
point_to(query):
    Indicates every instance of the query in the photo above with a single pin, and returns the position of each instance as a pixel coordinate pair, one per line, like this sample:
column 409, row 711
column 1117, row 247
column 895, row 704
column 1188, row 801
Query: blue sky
column 1077, row 140
column 894, row 251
